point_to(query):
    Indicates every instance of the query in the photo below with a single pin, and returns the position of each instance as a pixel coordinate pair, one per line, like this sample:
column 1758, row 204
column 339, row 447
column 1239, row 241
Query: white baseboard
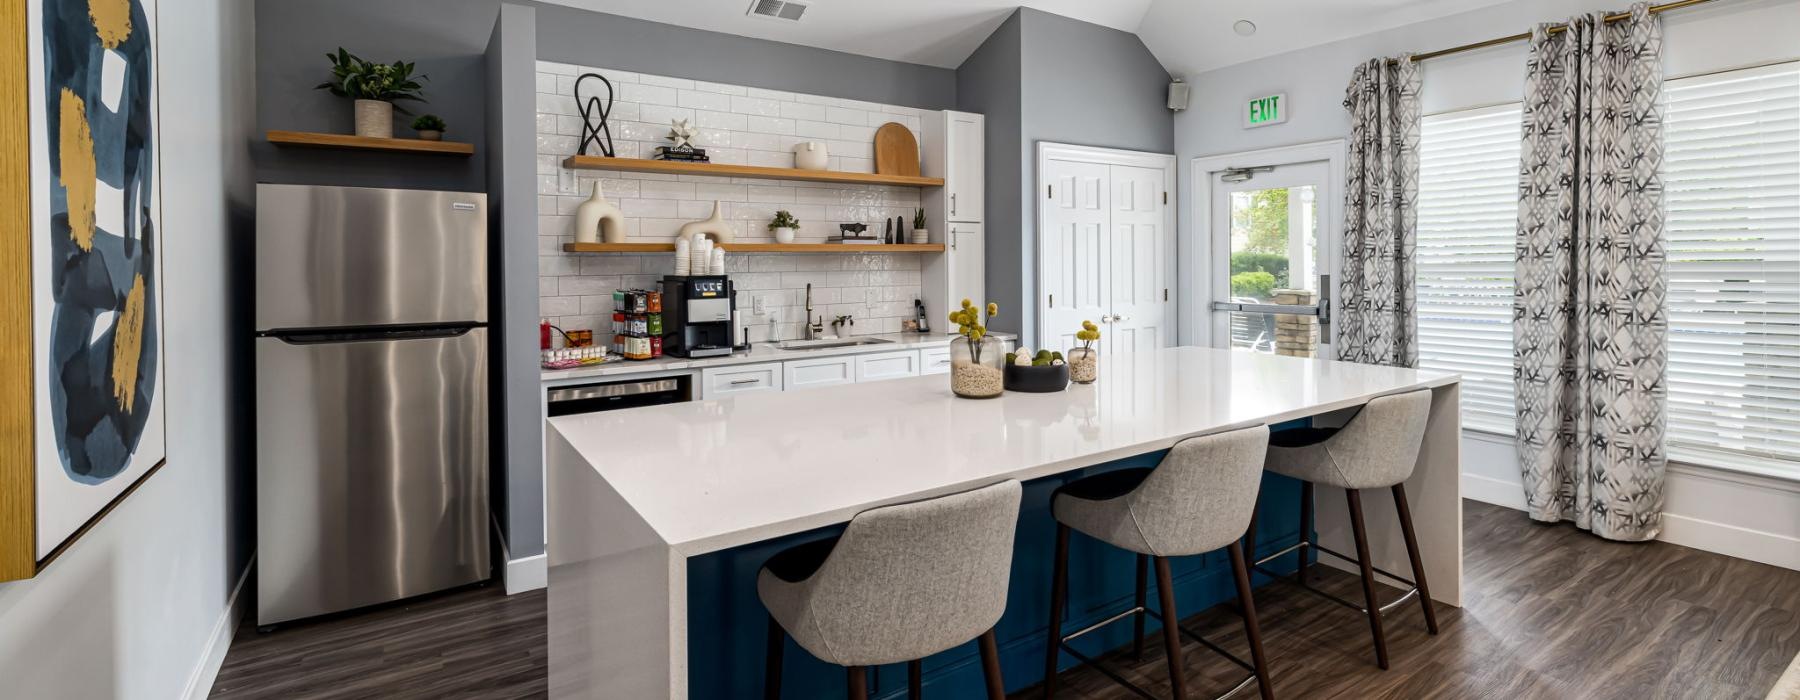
column 1487, row 489
column 1732, row 541
column 200, row 682
column 528, row 574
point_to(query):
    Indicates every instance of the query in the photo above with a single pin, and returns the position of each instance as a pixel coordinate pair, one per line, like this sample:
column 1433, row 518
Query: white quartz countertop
column 759, row 352
column 710, row 475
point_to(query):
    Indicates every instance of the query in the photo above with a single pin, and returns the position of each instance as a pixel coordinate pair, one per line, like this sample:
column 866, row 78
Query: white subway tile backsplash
column 737, row 125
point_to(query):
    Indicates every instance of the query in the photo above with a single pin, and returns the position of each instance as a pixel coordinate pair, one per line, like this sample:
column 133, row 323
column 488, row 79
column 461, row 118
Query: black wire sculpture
column 599, row 136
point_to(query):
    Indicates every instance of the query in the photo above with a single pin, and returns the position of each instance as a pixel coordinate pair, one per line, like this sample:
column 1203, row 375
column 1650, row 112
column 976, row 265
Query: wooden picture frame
column 82, row 380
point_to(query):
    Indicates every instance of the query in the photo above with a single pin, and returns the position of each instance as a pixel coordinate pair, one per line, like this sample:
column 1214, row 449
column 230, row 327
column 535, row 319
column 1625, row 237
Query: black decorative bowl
column 1037, row 380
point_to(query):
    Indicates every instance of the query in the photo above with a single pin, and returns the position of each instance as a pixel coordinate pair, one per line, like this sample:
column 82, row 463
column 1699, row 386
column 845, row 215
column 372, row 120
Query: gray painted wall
column 1077, row 83
column 989, row 83
column 511, row 65
column 446, row 38
column 586, row 38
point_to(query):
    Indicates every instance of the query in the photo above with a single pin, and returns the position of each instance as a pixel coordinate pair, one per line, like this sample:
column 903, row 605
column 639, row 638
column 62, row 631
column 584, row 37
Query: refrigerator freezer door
column 335, row 257
column 372, row 471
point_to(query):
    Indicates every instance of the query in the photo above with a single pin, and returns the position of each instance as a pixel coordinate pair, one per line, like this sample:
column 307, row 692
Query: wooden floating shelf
column 642, row 165
column 369, row 143
column 759, row 248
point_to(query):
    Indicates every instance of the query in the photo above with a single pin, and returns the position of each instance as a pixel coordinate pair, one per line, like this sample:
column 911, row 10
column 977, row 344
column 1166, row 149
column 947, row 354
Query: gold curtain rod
column 1654, row 9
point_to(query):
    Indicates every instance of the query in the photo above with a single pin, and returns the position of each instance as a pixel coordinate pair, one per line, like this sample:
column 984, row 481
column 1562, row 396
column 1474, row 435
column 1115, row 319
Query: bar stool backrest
column 1202, row 494
column 910, row 580
column 1380, row 446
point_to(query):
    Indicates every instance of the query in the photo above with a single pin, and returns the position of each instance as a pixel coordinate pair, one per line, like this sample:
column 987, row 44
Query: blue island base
column 727, row 624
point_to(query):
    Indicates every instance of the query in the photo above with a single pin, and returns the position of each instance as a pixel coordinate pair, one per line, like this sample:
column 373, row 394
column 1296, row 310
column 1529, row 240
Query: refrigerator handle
column 320, row 337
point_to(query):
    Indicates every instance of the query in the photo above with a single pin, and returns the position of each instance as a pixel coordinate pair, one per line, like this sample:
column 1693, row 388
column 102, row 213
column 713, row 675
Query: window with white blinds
column 1731, row 172
column 1732, row 179
column 1468, row 209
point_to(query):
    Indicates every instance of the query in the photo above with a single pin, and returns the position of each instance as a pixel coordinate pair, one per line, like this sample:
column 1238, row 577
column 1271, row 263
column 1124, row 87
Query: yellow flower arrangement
column 970, row 324
column 1088, row 334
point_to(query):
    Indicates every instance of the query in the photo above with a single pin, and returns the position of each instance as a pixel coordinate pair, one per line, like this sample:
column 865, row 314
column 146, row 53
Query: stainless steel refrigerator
column 371, row 396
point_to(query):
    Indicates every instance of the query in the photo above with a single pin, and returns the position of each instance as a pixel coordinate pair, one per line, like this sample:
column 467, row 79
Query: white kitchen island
column 634, row 494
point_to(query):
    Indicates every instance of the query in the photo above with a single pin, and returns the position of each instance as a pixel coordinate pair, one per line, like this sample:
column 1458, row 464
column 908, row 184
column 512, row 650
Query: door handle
column 953, row 235
column 739, row 382
column 953, row 202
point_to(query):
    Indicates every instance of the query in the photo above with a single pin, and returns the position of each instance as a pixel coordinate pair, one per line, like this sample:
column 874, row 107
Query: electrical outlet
column 757, row 306
column 868, row 297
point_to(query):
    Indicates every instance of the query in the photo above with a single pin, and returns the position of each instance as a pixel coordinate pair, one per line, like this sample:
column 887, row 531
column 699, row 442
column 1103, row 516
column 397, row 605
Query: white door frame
column 1197, row 259
column 1047, row 151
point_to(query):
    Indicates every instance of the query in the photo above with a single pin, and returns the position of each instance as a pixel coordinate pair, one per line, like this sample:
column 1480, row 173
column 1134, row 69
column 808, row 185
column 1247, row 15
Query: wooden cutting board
column 896, row 151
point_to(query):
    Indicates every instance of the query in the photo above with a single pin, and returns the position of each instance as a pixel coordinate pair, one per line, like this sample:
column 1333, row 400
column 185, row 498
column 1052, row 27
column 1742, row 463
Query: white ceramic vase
column 784, row 234
column 920, row 236
column 596, row 216
column 810, row 155
column 375, row 118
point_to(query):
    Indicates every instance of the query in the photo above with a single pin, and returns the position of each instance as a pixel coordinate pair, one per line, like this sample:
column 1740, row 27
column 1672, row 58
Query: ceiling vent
column 777, row 9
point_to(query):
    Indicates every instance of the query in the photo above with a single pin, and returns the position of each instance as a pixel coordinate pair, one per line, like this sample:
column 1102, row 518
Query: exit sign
column 1266, row 111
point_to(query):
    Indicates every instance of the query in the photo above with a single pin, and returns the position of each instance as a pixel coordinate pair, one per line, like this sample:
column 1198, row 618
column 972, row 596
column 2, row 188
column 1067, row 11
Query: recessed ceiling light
column 1244, row 27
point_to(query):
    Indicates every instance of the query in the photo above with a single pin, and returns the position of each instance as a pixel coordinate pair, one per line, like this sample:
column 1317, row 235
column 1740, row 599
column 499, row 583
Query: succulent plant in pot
column 920, row 234
column 431, row 127
column 375, row 87
column 784, row 225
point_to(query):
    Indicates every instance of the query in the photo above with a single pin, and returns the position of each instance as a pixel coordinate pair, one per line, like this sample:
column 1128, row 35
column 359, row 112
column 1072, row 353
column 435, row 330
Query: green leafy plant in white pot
column 784, row 225
column 375, row 87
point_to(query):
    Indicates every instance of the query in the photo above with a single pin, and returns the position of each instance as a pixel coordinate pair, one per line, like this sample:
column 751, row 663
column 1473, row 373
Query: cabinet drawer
column 934, row 360
column 823, row 371
column 887, row 365
column 726, row 381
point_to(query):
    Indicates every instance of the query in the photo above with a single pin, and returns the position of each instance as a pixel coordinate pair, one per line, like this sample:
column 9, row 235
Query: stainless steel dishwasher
column 619, row 395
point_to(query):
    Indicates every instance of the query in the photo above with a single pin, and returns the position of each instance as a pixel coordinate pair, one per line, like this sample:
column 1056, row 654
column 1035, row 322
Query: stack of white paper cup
column 683, row 258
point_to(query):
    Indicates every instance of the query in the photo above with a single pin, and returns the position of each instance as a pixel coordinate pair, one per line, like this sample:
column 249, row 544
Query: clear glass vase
column 975, row 368
column 1084, row 365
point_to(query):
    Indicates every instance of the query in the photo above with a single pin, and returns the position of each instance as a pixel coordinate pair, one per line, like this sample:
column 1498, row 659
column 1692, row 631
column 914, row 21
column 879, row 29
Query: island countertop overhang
column 711, row 475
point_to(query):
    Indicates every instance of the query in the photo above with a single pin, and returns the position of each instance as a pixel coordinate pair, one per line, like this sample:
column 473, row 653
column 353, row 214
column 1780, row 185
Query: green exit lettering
column 1264, row 111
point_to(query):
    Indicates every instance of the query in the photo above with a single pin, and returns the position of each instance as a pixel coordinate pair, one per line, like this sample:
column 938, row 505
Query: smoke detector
column 777, row 9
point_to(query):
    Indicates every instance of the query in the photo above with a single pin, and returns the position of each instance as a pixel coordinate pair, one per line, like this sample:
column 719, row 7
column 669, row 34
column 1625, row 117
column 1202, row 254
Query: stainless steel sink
column 828, row 343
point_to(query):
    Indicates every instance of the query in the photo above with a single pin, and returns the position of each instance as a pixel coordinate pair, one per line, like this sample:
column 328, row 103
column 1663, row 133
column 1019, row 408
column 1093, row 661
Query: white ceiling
column 1195, row 36
column 1188, row 36
column 931, row 32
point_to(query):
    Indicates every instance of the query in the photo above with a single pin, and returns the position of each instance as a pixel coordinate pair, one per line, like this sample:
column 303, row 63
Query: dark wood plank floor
column 1551, row 612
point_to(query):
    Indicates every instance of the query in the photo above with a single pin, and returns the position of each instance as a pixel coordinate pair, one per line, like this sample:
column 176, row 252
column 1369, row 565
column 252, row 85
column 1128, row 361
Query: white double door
column 1106, row 247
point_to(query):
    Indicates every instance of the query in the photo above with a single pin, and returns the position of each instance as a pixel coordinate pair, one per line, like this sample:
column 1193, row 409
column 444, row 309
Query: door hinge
column 1165, row 293
column 1052, row 302
column 1050, row 191
column 1165, row 198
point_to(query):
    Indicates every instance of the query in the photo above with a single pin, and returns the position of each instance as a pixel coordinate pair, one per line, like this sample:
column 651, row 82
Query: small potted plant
column 375, row 87
column 975, row 358
column 431, row 127
column 784, row 225
column 1041, row 373
column 920, row 234
column 1084, row 361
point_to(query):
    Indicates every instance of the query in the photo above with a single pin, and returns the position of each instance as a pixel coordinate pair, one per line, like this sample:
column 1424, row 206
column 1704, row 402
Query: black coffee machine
column 697, row 313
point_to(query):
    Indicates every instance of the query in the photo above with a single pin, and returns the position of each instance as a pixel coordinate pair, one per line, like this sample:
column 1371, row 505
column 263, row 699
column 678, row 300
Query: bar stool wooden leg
column 772, row 659
column 1361, row 532
column 1241, row 571
column 915, row 679
column 1059, row 581
column 1306, row 525
column 1165, row 590
column 1250, row 532
column 1412, row 552
column 858, row 678
column 1137, row 622
column 990, row 666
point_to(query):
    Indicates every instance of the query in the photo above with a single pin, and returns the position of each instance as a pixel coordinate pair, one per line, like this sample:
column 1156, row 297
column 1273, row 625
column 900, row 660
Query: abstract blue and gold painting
column 96, row 259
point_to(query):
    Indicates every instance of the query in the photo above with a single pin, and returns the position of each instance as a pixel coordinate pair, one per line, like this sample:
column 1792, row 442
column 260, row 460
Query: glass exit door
column 1271, row 260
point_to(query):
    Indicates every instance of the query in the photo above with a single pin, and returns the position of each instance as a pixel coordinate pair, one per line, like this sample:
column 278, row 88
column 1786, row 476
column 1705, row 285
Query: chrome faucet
column 814, row 328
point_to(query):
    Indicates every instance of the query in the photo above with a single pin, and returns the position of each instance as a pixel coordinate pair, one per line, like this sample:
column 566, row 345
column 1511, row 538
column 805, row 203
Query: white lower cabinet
column 817, row 372
column 887, row 365
column 934, row 360
column 739, row 379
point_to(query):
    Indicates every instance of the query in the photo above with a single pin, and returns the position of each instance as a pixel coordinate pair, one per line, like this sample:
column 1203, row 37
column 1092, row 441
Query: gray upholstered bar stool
column 1376, row 449
column 902, row 583
column 1199, row 499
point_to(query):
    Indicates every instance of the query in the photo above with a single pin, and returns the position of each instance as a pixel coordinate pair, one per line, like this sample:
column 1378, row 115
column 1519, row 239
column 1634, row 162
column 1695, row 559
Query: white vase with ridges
column 375, row 119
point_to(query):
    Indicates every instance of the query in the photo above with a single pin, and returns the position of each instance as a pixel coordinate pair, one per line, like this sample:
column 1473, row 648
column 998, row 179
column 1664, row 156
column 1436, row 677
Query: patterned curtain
column 1376, row 319
column 1590, row 329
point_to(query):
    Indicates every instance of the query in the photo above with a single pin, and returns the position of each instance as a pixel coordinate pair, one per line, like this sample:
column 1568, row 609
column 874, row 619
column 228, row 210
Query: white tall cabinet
column 954, row 150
